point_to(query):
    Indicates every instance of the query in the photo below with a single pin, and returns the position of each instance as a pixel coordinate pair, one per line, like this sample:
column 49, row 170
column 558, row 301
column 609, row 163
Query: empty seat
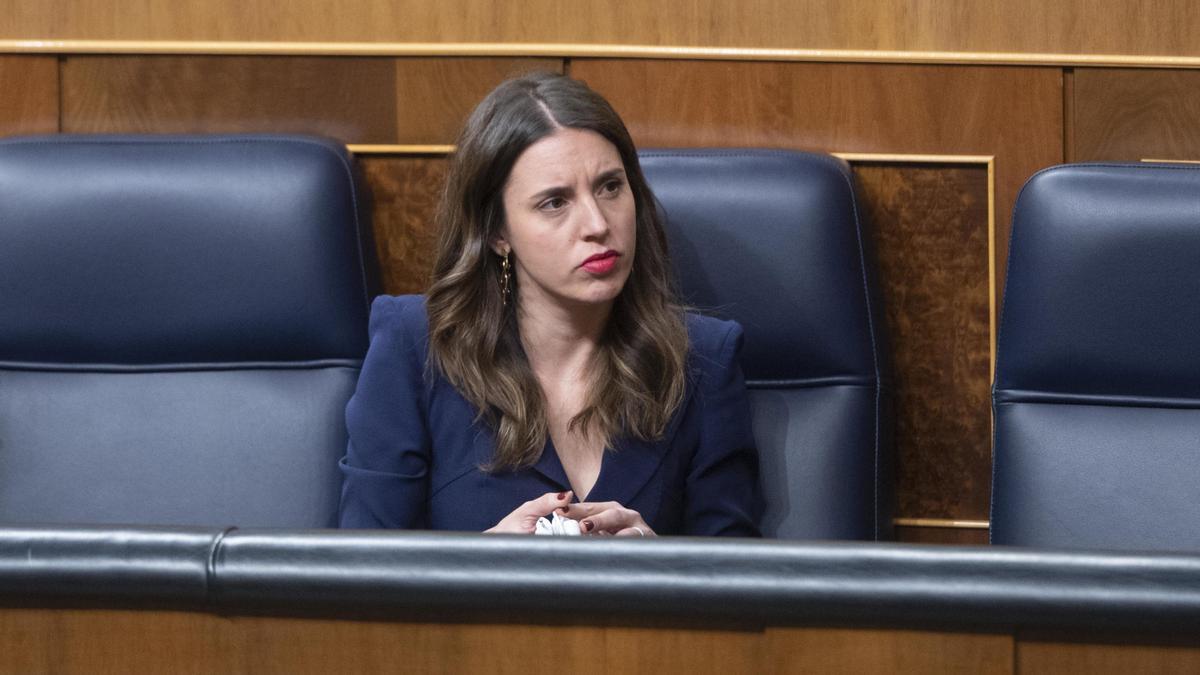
column 1097, row 393
column 181, row 323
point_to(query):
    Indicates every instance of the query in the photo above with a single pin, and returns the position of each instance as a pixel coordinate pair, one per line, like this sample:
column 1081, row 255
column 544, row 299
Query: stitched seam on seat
column 874, row 347
column 995, row 460
column 1116, row 401
column 810, row 383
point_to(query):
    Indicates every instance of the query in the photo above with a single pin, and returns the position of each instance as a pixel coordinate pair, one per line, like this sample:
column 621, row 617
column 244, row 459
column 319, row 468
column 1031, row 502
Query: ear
column 499, row 245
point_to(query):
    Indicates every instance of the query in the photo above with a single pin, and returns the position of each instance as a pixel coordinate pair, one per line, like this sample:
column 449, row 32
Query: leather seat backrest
column 181, row 323
column 1097, row 394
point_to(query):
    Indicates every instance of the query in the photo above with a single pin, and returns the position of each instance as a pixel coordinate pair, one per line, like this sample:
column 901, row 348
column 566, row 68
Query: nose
column 595, row 220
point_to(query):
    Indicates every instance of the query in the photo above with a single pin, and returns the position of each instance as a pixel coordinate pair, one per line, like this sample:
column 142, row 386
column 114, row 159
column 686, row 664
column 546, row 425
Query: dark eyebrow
column 565, row 191
column 603, row 178
column 556, row 191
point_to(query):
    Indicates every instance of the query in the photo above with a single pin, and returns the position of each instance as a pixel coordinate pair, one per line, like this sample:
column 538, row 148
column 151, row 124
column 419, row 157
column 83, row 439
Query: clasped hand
column 595, row 518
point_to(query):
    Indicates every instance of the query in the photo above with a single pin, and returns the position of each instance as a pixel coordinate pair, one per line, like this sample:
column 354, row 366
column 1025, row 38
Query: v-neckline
column 552, row 450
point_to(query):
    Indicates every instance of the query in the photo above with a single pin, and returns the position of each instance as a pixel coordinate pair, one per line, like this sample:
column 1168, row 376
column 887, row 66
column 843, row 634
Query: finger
column 611, row 520
column 544, row 505
column 584, row 509
column 636, row 531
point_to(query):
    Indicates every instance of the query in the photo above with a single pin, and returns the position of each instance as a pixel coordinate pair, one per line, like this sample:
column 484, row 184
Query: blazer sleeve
column 386, row 468
column 723, row 497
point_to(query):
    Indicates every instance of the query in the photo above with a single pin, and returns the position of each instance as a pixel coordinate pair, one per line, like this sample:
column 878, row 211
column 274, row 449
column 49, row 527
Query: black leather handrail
column 113, row 563
column 669, row 580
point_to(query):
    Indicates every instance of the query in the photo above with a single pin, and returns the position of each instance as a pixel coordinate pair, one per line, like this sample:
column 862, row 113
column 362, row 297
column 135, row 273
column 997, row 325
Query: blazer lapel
column 550, row 466
column 631, row 464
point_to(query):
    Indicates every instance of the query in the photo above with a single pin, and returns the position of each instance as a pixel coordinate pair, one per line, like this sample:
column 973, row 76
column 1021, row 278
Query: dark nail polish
column 562, row 495
column 587, row 525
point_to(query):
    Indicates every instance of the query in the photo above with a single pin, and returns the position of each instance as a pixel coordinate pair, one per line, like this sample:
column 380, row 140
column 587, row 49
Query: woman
column 550, row 368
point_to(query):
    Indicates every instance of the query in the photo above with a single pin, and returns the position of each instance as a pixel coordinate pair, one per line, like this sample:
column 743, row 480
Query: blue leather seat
column 1097, row 394
column 774, row 240
column 181, row 323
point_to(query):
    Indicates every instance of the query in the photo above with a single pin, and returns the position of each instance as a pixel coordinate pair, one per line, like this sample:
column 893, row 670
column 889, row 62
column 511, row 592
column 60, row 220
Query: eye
column 552, row 204
column 612, row 187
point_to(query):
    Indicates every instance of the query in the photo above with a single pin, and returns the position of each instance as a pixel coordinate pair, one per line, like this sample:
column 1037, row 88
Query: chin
column 598, row 293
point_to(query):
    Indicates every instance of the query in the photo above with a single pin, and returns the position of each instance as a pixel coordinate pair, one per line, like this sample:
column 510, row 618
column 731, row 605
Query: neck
column 560, row 341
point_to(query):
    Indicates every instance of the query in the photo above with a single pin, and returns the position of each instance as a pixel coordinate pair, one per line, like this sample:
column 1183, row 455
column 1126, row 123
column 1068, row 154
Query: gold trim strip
column 384, row 149
column 586, row 50
column 990, row 162
column 942, row 522
column 1171, row 161
column 992, row 322
column 916, row 159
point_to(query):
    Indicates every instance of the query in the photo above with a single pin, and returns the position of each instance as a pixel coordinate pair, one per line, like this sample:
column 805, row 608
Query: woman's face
column 570, row 220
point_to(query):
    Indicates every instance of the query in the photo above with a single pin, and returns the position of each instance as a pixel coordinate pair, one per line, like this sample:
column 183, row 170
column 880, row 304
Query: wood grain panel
column 1068, row 26
column 348, row 99
column 404, row 192
column 1062, row 658
column 954, row 536
column 98, row 641
column 654, row 650
column 122, row 641
column 356, row 100
column 1012, row 113
column 435, row 96
column 28, row 95
column 931, row 240
column 323, row 646
column 861, row 651
column 113, row 641
column 1129, row 115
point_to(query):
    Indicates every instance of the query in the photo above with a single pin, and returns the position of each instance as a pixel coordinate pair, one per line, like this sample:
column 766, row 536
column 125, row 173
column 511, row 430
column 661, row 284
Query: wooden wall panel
column 855, row 651
column 1066, row 658
column 353, row 100
column 931, row 232
column 28, row 95
column 1067, row 26
column 132, row 641
column 99, row 641
column 1129, row 115
column 434, row 96
column 1012, row 113
column 404, row 192
column 356, row 100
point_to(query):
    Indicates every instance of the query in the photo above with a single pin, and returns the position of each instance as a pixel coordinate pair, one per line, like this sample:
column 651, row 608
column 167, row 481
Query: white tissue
column 557, row 525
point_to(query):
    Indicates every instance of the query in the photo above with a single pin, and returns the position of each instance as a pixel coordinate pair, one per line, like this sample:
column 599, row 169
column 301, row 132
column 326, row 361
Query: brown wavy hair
column 638, row 375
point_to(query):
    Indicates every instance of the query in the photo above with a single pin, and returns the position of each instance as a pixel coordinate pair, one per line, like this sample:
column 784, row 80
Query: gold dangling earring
column 505, row 280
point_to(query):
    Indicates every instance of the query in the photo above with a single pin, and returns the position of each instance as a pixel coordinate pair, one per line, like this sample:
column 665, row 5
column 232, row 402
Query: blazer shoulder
column 712, row 339
column 399, row 322
column 400, row 312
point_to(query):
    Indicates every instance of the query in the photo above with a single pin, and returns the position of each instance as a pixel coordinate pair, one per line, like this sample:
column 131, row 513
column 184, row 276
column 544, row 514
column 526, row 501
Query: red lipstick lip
column 600, row 256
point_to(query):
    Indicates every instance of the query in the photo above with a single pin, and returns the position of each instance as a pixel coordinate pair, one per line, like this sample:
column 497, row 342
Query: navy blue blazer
column 415, row 449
